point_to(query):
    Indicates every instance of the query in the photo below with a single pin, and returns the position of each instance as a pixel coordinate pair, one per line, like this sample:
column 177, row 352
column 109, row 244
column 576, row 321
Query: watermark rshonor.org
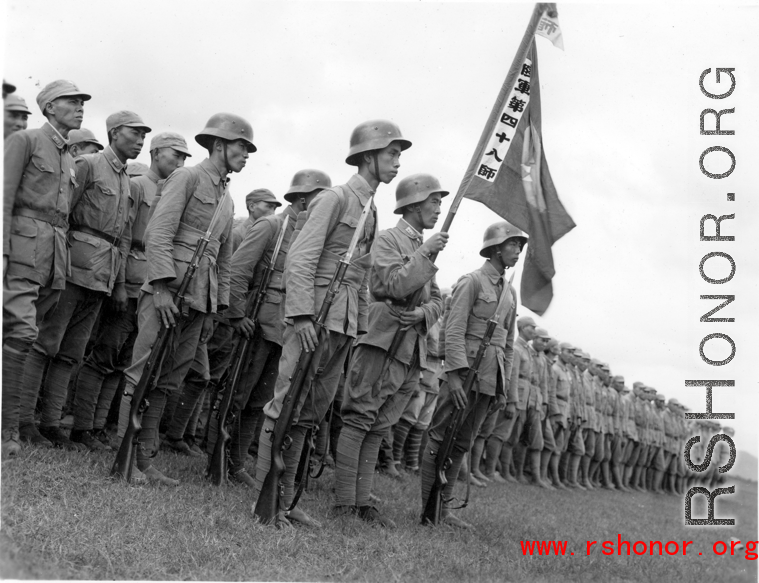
column 712, row 229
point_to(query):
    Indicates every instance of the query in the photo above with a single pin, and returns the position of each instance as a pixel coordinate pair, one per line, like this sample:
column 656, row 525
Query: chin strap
column 226, row 160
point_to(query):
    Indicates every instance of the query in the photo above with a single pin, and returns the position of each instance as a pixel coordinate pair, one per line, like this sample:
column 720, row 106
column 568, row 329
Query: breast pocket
column 343, row 233
column 485, row 304
column 40, row 177
column 200, row 209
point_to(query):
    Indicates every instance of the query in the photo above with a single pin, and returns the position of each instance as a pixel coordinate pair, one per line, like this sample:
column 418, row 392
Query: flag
column 509, row 173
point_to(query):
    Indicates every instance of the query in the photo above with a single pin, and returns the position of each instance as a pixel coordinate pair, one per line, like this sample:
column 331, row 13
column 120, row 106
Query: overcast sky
column 620, row 131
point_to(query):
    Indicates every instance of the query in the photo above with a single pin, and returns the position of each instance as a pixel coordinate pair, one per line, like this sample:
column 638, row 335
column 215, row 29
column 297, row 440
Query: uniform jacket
column 563, row 388
column 316, row 250
column 548, row 384
column 143, row 190
column 37, row 185
column 577, row 395
column 101, row 202
column 474, row 301
column 521, row 372
column 398, row 270
column 249, row 263
column 600, row 404
column 590, row 399
column 239, row 232
column 188, row 200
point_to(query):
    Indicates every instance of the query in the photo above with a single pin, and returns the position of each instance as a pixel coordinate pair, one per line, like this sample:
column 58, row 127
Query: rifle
column 217, row 464
column 122, row 465
column 269, row 500
column 433, row 509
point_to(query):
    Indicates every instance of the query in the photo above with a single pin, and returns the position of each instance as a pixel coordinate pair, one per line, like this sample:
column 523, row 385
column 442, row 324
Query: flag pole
column 524, row 46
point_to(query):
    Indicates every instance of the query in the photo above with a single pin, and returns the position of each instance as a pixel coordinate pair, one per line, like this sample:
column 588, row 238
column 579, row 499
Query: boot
column 476, row 459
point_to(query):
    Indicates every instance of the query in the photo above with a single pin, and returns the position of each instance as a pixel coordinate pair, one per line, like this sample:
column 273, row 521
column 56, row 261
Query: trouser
column 315, row 399
column 478, row 406
column 62, row 339
column 210, row 362
column 26, row 304
column 527, row 430
column 181, row 353
column 113, row 344
column 574, row 441
column 372, row 403
column 420, row 408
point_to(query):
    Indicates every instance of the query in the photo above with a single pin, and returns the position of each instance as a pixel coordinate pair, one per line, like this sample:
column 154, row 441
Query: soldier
column 574, row 443
column 631, row 433
column 527, row 399
column 561, row 386
column 37, row 186
column 99, row 239
column 188, row 201
column 376, row 393
column 83, row 141
column 619, row 433
column 16, row 115
column 548, row 389
column 375, row 148
column 590, row 422
column 256, row 386
column 214, row 356
column 475, row 299
column 101, row 374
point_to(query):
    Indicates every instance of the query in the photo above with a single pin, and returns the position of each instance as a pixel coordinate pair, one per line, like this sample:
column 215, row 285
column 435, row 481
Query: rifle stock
column 272, row 491
column 122, row 465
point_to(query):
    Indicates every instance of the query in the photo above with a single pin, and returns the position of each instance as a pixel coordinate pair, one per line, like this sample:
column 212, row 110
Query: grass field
column 63, row 518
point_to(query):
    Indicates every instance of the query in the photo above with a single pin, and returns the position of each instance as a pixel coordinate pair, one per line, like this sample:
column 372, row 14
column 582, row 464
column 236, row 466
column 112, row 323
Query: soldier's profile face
column 528, row 332
column 128, row 141
column 237, row 155
column 67, row 111
column 510, row 250
column 167, row 160
column 430, row 210
column 388, row 162
column 261, row 209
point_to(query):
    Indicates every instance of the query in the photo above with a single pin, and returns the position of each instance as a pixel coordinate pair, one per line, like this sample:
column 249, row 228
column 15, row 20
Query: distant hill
column 746, row 466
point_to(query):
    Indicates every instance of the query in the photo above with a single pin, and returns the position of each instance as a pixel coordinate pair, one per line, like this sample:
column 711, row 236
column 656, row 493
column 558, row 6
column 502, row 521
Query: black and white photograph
column 362, row 290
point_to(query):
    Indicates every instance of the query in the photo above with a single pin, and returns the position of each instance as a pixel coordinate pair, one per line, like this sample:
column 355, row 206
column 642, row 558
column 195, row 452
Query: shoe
column 480, row 476
column 372, row 515
column 85, row 437
column 299, row 515
column 181, row 446
column 343, row 510
column 154, row 475
column 453, row 520
column 242, row 477
column 10, row 444
column 102, row 437
column 392, row 471
column 475, row 482
column 541, row 484
column 59, row 439
column 30, row 434
column 558, row 485
column 495, row 477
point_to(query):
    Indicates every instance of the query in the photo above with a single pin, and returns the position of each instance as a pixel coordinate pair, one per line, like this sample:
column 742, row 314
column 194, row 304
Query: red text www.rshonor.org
column 640, row 547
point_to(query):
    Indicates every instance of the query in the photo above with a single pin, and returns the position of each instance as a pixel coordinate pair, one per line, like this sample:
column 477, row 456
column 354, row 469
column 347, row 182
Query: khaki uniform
column 189, row 198
column 529, row 397
column 562, row 380
column 312, row 260
column 37, row 184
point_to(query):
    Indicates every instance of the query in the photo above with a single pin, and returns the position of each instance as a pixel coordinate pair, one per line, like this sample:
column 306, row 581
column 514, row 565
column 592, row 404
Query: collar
column 493, row 275
column 55, row 135
column 212, row 171
column 152, row 176
column 115, row 163
column 522, row 342
column 409, row 231
column 290, row 212
column 360, row 186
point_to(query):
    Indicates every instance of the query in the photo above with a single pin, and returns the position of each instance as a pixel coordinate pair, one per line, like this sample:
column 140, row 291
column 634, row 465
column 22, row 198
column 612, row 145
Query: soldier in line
column 475, row 300
column 375, row 148
column 619, row 434
column 561, row 387
column 252, row 258
column 376, row 393
column 627, row 403
column 99, row 238
column 101, row 374
column 548, row 387
column 188, row 201
column 16, row 115
column 37, row 185
column 213, row 356
column 83, row 141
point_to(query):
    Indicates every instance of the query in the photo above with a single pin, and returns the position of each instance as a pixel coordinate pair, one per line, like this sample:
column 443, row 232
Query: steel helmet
column 229, row 127
column 416, row 188
column 498, row 233
column 306, row 182
column 374, row 135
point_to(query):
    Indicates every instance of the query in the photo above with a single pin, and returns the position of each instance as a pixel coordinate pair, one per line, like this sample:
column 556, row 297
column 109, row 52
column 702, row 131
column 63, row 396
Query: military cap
column 261, row 195
column 83, row 135
column 618, row 377
column 59, row 88
column 553, row 343
column 8, row 88
column 16, row 103
column 525, row 321
column 660, row 397
column 567, row 346
column 595, row 362
column 584, row 355
column 638, row 384
column 542, row 333
column 605, row 366
column 169, row 140
column 125, row 118
column 625, row 389
column 136, row 168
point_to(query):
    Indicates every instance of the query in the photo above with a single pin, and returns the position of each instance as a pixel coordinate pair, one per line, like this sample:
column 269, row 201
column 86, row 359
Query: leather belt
column 95, row 233
column 139, row 245
column 55, row 218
